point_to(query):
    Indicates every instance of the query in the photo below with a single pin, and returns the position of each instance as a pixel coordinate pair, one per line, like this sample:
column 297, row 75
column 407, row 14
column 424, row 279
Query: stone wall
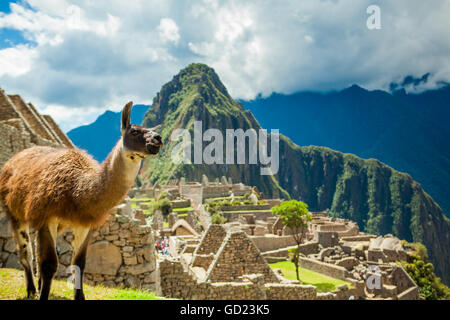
column 282, row 291
column 234, row 215
column 245, row 207
column 122, row 253
column 283, row 253
column 324, row 268
column 272, row 242
column 236, row 257
column 326, row 238
column 409, row 294
column 209, row 244
column 8, row 256
column 177, row 283
column 194, row 221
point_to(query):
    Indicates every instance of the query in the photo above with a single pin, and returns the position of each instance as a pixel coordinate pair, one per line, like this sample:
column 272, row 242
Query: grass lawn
column 322, row 282
column 12, row 287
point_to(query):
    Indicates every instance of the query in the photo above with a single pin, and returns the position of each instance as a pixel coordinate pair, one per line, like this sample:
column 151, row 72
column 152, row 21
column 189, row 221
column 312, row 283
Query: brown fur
column 40, row 183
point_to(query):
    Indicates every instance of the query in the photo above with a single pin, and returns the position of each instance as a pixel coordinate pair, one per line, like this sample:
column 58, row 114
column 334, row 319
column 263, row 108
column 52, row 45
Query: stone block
column 103, row 258
column 13, row 262
column 5, row 228
column 10, row 246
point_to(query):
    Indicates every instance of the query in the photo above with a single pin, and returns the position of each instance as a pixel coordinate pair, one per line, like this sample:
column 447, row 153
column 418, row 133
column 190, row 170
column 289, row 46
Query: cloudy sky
column 74, row 59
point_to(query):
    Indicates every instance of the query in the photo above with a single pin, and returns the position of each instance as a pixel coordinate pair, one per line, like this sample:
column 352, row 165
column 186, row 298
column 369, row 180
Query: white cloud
column 92, row 55
column 16, row 61
column 168, row 30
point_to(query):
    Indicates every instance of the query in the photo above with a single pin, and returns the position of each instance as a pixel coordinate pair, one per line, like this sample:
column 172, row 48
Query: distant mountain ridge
column 409, row 132
column 99, row 137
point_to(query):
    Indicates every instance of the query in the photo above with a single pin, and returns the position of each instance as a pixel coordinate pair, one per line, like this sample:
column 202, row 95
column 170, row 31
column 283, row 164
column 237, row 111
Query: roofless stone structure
column 21, row 127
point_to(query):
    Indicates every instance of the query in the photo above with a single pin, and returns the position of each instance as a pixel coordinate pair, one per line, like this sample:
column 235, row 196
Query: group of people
column 162, row 245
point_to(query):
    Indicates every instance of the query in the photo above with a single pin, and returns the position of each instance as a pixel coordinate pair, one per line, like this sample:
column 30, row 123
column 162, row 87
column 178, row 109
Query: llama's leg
column 22, row 239
column 80, row 244
column 47, row 259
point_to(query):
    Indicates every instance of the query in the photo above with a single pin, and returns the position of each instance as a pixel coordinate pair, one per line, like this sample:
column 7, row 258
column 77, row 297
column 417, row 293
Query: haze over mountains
column 380, row 199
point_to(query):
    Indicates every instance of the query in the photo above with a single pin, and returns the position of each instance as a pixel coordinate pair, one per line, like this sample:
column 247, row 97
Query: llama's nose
column 156, row 139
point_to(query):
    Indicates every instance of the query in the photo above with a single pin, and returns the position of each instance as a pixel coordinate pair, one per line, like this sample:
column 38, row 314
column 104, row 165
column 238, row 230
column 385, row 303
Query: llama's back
column 39, row 180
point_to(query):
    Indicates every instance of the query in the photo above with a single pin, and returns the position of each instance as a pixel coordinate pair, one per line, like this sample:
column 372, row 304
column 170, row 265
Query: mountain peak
column 354, row 88
column 202, row 75
column 196, row 69
column 196, row 89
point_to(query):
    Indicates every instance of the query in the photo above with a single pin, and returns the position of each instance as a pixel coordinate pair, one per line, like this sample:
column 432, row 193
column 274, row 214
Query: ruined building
column 21, row 127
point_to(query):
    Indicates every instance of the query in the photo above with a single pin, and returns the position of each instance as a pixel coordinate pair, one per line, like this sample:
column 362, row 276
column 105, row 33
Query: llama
column 46, row 189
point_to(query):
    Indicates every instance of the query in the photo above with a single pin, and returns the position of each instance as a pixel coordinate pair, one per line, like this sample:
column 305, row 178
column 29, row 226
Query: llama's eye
column 134, row 132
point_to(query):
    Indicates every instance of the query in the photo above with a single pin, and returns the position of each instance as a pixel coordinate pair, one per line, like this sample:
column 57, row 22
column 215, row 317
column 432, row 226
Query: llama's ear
column 156, row 128
column 126, row 116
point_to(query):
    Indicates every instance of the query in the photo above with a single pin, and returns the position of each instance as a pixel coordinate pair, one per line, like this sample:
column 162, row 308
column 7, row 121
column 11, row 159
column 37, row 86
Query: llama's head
column 139, row 142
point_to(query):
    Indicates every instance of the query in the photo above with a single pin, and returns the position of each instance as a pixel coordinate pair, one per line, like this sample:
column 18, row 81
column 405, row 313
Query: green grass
column 322, row 282
column 143, row 199
column 244, row 211
column 182, row 209
column 12, row 287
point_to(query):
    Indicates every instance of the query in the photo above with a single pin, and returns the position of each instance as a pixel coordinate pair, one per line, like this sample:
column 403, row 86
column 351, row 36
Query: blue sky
column 76, row 58
column 9, row 37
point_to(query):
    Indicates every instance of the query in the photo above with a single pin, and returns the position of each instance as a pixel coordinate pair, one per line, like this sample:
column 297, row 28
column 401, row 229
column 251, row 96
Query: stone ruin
column 121, row 253
column 225, row 265
column 21, row 127
column 336, row 248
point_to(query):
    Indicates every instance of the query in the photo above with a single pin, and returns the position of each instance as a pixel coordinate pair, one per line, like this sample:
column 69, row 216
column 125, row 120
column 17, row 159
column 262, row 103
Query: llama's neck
column 111, row 184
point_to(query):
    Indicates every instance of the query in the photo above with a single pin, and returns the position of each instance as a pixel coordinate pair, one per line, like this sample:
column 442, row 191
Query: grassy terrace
column 147, row 201
column 12, row 287
column 256, row 211
column 322, row 282
column 222, row 198
column 185, row 209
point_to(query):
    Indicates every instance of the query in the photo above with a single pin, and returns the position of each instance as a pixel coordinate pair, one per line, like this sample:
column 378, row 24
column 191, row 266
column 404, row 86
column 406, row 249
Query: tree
column 163, row 203
column 294, row 215
column 421, row 271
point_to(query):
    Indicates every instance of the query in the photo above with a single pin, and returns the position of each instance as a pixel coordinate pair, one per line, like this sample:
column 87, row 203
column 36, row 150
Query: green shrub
column 421, row 271
column 165, row 206
column 217, row 218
